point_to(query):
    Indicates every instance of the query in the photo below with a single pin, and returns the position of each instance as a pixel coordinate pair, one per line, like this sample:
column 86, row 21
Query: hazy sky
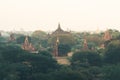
column 74, row 15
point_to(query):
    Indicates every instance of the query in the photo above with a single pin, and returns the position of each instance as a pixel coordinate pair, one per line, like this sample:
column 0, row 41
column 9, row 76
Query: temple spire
column 85, row 44
column 59, row 30
column 56, row 45
column 59, row 27
column 27, row 45
column 107, row 36
column 26, row 42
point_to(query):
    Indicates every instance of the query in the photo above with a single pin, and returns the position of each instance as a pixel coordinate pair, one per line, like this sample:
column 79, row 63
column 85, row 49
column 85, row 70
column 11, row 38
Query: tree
column 39, row 39
column 111, row 72
column 39, row 34
column 21, row 39
column 115, row 33
column 45, row 53
column 86, row 58
column 67, row 74
column 63, row 39
column 17, row 64
column 2, row 39
column 112, row 52
column 63, row 49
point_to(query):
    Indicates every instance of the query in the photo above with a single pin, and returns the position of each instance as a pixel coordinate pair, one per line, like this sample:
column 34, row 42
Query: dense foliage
column 88, row 58
column 96, row 64
column 17, row 64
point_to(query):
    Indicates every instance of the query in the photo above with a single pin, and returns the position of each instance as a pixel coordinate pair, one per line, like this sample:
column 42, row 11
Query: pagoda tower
column 59, row 30
column 85, row 45
column 107, row 36
column 27, row 45
column 56, row 33
column 56, row 47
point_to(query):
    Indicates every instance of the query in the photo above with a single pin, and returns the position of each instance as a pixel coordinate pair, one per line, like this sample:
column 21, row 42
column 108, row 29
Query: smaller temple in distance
column 85, row 45
column 56, row 47
column 107, row 36
column 28, row 46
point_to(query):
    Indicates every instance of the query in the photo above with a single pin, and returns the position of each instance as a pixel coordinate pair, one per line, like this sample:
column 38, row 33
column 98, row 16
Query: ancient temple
column 107, row 36
column 85, row 45
column 27, row 45
column 59, row 30
column 56, row 47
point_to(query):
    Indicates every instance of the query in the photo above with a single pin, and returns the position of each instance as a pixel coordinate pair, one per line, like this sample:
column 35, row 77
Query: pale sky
column 75, row 15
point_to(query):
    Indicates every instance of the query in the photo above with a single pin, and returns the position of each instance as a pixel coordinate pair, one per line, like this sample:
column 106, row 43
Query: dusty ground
column 63, row 60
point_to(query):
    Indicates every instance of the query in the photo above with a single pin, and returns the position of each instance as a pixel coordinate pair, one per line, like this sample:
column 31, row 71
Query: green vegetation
column 86, row 58
column 96, row 64
column 16, row 64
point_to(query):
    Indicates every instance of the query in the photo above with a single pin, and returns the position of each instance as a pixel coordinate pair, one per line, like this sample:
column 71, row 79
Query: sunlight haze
column 75, row 15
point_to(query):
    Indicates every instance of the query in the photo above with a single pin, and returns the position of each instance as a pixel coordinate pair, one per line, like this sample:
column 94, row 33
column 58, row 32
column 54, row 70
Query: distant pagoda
column 56, row 47
column 85, row 45
column 59, row 30
column 57, row 34
column 27, row 45
column 107, row 36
